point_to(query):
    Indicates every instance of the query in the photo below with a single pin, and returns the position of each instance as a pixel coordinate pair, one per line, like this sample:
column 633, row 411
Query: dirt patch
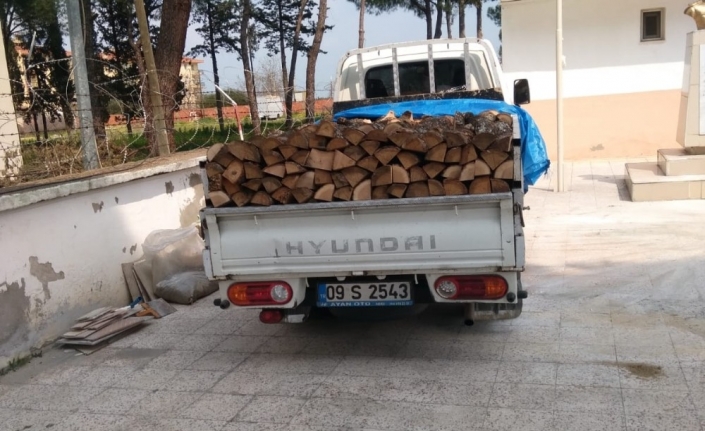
column 643, row 371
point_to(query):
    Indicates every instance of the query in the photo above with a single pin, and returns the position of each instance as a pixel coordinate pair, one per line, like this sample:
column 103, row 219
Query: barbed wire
column 40, row 139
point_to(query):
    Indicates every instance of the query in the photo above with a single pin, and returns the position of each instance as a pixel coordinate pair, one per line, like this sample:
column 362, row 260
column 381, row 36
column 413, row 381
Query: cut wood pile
column 361, row 160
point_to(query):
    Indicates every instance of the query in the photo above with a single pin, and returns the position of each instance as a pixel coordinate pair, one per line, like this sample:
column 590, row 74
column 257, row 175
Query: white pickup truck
column 383, row 257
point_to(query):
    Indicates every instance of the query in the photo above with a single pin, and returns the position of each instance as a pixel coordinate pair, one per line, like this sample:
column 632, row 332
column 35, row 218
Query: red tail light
column 266, row 293
column 471, row 287
column 271, row 316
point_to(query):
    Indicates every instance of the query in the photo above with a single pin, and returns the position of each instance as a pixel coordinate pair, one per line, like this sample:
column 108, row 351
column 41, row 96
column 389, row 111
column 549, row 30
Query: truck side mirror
column 522, row 94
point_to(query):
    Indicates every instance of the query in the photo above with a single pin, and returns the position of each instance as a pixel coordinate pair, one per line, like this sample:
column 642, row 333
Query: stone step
column 675, row 161
column 646, row 182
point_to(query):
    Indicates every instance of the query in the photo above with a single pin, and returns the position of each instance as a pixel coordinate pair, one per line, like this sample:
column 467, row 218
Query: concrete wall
column 61, row 257
column 620, row 92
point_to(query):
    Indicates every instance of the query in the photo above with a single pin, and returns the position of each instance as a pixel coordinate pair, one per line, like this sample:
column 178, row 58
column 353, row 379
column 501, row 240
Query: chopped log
column 322, row 177
column 499, row 186
column 298, row 140
column 483, row 140
column 408, row 160
column 468, row 172
column 362, row 191
column 401, row 137
column 454, row 155
column 325, row 193
column 270, row 144
column 370, row 146
column 243, row 197
column 435, row 188
column 261, row 199
column 400, row 175
column 219, row 199
column 397, row 190
column 432, row 138
column 220, row 154
column 416, row 145
column 481, row 168
column 253, row 185
column 382, row 176
column 480, row 186
column 506, row 119
column 339, row 179
column 278, row 170
column 417, row 174
column 493, row 158
column 377, row 135
column 505, row 171
column 437, row 153
column 417, row 190
column 454, row 187
column 354, row 136
column 271, row 184
column 287, row 151
column 289, row 181
column 386, row 154
column 455, row 139
column 341, row 161
column 213, row 170
column 353, row 175
column 294, row 168
column 343, row 193
column 300, row 157
column 469, row 154
column 317, row 142
column 490, row 114
column 433, row 169
column 502, row 143
column 252, row 171
column 407, row 117
column 244, row 151
column 302, row 195
column 326, row 128
column 228, row 187
column 392, row 128
column 380, row 192
column 273, row 158
column 452, row 172
column 306, row 181
column 355, row 153
column 369, row 163
column 318, row 159
column 337, row 144
column 366, row 128
column 282, row 195
column 235, row 172
column 387, row 118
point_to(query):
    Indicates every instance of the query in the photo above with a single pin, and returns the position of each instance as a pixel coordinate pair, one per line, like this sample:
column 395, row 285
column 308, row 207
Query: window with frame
column 652, row 25
column 414, row 78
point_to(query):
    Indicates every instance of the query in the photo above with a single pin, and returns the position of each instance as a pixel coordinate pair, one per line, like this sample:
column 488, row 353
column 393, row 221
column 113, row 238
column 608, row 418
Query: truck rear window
column 413, row 78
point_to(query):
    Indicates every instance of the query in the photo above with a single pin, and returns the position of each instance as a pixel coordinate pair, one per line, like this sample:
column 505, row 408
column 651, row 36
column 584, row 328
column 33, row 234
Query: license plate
column 393, row 293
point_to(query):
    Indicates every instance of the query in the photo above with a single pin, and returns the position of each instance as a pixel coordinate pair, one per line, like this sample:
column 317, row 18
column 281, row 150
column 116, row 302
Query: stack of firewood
column 359, row 160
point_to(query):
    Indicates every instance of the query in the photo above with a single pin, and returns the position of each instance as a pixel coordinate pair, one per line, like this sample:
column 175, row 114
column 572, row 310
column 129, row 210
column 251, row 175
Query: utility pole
column 80, row 79
column 155, row 93
column 560, row 187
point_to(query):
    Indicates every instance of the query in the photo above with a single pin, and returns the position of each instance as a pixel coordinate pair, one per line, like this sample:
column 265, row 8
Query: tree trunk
column 216, row 77
column 94, row 72
column 247, row 66
column 37, row 134
column 449, row 18
column 44, row 124
column 361, row 36
column 439, row 20
column 282, row 49
column 312, row 57
column 429, row 19
column 168, row 56
column 292, row 69
column 128, row 125
column 60, row 70
column 478, row 9
column 461, row 18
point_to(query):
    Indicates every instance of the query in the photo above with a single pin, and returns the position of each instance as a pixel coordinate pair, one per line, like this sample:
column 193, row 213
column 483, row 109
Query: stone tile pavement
column 612, row 338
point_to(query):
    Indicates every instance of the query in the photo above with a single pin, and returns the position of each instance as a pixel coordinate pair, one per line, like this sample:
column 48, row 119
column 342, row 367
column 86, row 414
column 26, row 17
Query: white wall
column 602, row 47
column 61, row 258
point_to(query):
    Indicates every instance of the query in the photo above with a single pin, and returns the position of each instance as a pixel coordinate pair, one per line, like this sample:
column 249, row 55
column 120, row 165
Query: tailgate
column 367, row 237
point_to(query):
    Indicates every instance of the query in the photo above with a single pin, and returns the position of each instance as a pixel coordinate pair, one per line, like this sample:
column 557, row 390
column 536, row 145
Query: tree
column 361, row 31
column 246, row 15
column 449, row 18
column 461, row 18
column 478, row 10
column 94, row 71
column 420, row 8
column 494, row 13
column 312, row 57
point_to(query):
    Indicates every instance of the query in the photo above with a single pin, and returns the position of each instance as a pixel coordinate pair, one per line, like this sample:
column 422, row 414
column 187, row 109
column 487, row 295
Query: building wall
column 603, row 57
column 61, row 257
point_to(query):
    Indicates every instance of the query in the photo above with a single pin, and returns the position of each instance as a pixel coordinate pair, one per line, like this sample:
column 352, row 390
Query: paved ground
column 612, row 338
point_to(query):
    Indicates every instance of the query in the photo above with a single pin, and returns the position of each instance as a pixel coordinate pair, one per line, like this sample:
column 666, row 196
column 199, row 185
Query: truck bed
column 404, row 236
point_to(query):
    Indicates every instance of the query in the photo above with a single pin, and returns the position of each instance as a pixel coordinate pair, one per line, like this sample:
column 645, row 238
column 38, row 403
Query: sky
column 400, row 26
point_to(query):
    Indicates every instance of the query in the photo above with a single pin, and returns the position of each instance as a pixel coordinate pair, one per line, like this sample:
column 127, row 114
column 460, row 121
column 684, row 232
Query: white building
column 623, row 71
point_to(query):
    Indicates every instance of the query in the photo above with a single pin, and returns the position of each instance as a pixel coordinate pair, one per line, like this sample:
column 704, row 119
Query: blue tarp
column 533, row 148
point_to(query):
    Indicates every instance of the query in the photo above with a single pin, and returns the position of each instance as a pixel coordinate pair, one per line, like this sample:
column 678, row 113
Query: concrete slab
column 676, row 161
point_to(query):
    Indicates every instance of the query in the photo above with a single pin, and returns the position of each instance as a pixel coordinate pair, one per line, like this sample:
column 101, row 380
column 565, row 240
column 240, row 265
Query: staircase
column 675, row 176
